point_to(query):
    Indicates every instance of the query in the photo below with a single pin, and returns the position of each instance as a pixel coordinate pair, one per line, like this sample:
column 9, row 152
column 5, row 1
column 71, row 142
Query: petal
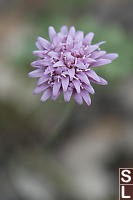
column 35, row 64
column 65, row 83
column 46, row 94
column 76, row 84
column 52, row 32
column 38, row 53
column 77, row 46
column 43, row 79
column 56, row 87
column 90, row 60
column 59, row 70
column 55, row 41
column 72, row 31
column 35, row 73
column 93, row 75
column 42, row 62
column 78, row 98
column 86, row 97
column 59, row 63
column 61, row 37
column 71, row 73
column 55, row 97
column 91, row 48
column 46, row 63
column 101, row 82
column 98, row 54
column 80, row 65
column 64, row 30
column 38, row 45
column 68, row 94
column 40, row 88
column 83, row 77
column 89, row 88
column 88, row 38
column 79, row 36
column 43, row 42
column 53, row 54
column 111, row 56
column 100, row 43
column 101, row 62
column 69, row 56
column 69, row 41
column 49, row 70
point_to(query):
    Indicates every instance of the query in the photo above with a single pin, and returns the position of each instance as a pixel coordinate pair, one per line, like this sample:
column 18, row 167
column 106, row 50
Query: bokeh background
column 57, row 150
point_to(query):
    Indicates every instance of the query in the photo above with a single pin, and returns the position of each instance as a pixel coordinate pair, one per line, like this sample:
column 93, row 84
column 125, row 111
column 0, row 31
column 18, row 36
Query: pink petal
column 71, row 73
column 72, row 31
column 44, row 43
column 46, row 94
column 60, row 37
column 111, row 56
column 93, row 75
column 69, row 56
column 53, row 54
column 88, row 38
column 40, row 88
column 80, row 65
column 56, row 87
column 52, row 33
column 39, row 63
column 91, row 48
column 86, row 97
column 65, row 83
column 101, row 62
column 64, row 29
column 59, row 70
column 78, row 98
column 59, row 63
column 89, row 88
column 79, row 36
column 69, row 41
column 101, row 82
column 46, row 62
column 38, row 53
column 77, row 46
column 55, row 97
column 35, row 73
column 83, row 77
column 56, row 41
column 68, row 94
column 76, row 84
column 100, row 43
column 35, row 64
column 98, row 54
column 38, row 45
column 90, row 60
column 49, row 70
column 43, row 79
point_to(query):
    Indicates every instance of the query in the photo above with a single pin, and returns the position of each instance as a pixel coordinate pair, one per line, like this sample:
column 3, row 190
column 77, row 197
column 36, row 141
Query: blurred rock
column 30, row 187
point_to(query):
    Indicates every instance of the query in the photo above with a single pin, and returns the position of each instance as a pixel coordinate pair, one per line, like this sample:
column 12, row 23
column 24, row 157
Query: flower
column 66, row 63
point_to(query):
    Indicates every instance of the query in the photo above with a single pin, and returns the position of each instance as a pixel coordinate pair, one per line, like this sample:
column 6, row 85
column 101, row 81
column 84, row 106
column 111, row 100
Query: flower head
column 65, row 64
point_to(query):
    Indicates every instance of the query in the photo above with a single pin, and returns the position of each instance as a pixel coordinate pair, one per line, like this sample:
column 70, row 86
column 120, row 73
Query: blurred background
column 57, row 150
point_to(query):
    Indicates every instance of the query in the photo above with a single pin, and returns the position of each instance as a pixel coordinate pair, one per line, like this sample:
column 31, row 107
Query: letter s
column 125, row 174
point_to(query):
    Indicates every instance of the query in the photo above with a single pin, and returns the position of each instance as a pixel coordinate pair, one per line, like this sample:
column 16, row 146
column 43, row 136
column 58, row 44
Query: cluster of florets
column 65, row 64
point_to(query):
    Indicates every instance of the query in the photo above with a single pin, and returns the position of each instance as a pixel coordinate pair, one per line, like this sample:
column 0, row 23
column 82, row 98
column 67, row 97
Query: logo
column 125, row 183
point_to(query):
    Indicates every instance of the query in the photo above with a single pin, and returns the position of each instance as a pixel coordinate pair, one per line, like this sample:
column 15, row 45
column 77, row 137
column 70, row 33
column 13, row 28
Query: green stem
column 61, row 124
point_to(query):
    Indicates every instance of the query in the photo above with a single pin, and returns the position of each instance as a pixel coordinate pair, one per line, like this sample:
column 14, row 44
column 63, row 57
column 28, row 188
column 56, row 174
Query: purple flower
column 65, row 64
